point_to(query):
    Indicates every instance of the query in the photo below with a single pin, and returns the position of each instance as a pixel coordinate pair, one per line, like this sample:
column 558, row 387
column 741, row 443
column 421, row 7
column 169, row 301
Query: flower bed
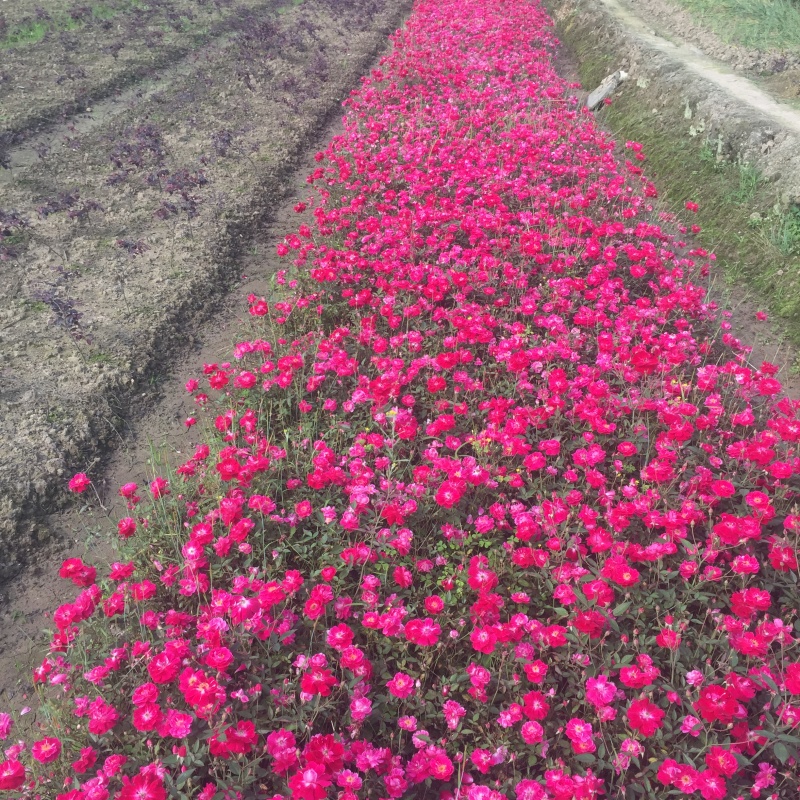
column 493, row 505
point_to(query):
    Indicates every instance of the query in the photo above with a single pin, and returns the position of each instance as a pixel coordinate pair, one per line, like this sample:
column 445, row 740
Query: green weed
column 103, row 12
column 749, row 179
column 785, row 231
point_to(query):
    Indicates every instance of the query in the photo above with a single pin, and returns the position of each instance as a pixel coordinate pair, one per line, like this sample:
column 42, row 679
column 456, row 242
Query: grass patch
column 762, row 24
column 285, row 9
column 756, row 243
column 103, row 12
column 29, row 33
column 785, row 232
column 32, row 32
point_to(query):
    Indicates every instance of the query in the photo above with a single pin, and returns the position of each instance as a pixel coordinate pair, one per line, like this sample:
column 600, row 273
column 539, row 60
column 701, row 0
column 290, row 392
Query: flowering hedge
column 492, row 506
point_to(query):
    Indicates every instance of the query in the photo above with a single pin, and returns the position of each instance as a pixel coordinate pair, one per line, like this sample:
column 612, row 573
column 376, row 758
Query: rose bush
column 492, row 504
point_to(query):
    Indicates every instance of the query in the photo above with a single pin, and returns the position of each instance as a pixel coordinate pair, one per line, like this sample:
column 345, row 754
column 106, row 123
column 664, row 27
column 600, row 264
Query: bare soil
column 83, row 58
column 148, row 441
column 130, row 233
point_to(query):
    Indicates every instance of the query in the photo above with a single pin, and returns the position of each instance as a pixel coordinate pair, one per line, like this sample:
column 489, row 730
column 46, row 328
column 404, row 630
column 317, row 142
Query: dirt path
column 704, row 66
column 674, row 22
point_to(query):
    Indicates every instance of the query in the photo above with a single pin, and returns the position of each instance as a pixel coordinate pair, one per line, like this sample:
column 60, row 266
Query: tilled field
column 113, row 241
column 58, row 60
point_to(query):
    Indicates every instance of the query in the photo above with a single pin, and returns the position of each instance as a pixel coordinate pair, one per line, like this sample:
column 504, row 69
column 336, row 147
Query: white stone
column 605, row 89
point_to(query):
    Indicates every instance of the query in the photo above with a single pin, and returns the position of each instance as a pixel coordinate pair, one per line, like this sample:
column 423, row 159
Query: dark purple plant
column 319, row 68
column 114, row 48
column 82, row 212
column 68, row 40
column 143, row 147
column 166, row 210
column 131, row 247
column 65, row 314
column 80, row 12
column 61, row 202
column 221, row 141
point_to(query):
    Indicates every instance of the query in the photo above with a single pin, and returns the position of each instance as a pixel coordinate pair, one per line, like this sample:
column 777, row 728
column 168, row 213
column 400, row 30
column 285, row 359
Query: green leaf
column 182, row 778
column 771, row 683
column 781, row 752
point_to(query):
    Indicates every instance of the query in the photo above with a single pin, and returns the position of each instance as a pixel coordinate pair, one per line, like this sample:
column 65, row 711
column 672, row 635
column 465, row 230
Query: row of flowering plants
column 492, row 504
